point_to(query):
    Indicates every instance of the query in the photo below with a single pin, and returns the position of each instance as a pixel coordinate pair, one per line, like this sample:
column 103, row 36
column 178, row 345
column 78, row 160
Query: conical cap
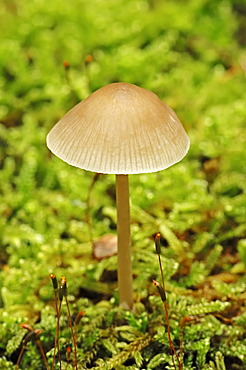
column 120, row 129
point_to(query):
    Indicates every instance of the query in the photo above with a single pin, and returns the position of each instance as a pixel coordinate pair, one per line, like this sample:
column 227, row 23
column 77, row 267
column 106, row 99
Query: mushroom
column 120, row 129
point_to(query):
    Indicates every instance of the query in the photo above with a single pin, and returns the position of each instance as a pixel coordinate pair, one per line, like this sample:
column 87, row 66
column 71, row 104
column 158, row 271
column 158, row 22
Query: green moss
column 192, row 55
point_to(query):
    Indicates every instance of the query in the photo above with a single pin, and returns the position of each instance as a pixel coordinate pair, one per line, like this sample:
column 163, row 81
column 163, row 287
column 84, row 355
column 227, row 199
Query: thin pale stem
column 124, row 242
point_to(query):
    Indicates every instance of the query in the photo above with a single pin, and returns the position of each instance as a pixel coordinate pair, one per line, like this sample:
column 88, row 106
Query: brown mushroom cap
column 120, row 129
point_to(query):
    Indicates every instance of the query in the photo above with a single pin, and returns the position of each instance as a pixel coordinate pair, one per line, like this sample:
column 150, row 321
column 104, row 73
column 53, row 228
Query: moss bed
column 192, row 55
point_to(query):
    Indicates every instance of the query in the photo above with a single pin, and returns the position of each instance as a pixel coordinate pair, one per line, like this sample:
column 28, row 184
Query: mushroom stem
column 124, row 242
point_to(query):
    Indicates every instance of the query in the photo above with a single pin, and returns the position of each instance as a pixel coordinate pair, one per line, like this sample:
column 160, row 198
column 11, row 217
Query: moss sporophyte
column 62, row 293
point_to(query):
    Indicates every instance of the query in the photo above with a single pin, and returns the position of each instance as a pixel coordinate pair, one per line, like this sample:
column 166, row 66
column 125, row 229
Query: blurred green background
column 191, row 53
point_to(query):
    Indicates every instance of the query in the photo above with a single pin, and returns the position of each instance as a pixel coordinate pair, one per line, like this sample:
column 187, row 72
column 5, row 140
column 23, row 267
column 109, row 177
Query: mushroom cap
column 120, row 129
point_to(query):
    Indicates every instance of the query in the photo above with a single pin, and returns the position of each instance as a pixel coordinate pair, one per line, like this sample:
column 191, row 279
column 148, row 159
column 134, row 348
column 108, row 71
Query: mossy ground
column 192, row 54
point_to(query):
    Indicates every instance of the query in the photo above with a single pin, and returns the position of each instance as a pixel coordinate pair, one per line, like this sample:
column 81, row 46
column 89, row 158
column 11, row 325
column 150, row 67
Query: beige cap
column 120, row 129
